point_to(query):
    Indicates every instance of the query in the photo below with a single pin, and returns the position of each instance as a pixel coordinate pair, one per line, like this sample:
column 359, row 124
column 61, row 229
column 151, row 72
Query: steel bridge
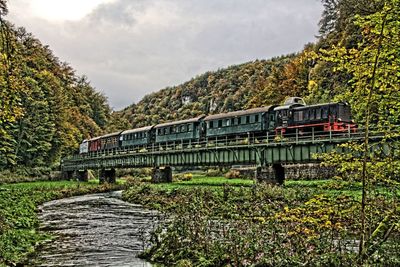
column 260, row 151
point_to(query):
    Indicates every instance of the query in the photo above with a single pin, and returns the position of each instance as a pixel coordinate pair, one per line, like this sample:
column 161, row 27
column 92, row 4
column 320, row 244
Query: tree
column 374, row 91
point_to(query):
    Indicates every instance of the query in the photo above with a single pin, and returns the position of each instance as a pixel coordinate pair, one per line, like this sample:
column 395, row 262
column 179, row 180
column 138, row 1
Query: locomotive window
column 219, row 123
column 301, row 115
column 312, row 114
column 306, row 115
column 318, row 114
column 296, row 116
column 247, row 119
column 344, row 113
column 325, row 113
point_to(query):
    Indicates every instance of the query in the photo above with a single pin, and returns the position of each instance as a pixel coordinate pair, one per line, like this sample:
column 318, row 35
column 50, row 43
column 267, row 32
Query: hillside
column 46, row 109
column 261, row 82
column 228, row 89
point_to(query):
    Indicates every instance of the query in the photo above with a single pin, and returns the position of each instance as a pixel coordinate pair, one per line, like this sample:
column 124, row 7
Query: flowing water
column 94, row 230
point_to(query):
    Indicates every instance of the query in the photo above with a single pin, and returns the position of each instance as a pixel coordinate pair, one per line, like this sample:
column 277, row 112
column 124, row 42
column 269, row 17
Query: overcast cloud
column 129, row 48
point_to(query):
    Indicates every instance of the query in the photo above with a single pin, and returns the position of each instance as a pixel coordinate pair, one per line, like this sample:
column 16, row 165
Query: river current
column 94, row 230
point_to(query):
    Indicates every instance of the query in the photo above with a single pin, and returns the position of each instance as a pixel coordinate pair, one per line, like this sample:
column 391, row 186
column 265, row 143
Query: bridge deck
column 261, row 151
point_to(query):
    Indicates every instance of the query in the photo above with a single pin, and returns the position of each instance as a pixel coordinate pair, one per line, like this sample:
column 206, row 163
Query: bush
column 142, row 172
column 232, row 174
column 183, row 177
column 213, row 172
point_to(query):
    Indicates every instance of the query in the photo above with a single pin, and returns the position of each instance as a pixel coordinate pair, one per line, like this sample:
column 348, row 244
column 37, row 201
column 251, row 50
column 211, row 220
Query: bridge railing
column 267, row 139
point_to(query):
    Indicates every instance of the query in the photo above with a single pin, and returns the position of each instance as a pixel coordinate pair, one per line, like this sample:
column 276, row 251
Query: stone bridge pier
column 107, row 176
column 82, row 176
column 162, row 175
column 274, row 174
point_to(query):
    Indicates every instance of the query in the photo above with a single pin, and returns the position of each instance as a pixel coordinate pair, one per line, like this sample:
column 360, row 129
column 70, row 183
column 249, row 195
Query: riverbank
column 230, row 222
column 19, row 235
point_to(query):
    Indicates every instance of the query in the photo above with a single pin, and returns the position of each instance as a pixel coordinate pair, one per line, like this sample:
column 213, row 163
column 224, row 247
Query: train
column 294, row 116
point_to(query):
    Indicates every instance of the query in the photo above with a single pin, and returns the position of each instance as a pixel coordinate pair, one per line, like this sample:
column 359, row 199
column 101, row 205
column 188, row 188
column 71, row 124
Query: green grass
column 328, row 187
column 214, row 183
column 48, row 184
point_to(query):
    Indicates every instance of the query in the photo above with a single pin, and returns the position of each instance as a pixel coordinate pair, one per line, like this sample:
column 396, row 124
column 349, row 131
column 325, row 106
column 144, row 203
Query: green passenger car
column 136, row 137
column 256, row 120
column 178, row 131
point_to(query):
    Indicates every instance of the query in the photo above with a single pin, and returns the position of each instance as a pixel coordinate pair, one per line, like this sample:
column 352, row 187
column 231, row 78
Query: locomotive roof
column 324, row 104
column 238, row 113
column 179, row 122
column 141, row 129
column 288, row 106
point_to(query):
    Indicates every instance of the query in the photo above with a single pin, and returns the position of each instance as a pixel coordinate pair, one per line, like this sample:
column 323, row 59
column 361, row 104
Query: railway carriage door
column 272, row 123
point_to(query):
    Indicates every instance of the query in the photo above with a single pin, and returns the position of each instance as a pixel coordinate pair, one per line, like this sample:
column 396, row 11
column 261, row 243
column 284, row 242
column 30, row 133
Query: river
column 94, row 230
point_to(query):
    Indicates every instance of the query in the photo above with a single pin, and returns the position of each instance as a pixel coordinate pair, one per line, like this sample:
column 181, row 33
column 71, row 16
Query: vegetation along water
column 217, row 221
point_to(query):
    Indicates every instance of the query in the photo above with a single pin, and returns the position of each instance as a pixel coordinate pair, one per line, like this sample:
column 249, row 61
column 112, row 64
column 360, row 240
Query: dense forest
column 47, row 110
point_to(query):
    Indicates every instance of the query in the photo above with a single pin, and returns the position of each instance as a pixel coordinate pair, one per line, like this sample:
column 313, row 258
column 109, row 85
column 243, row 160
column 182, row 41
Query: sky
column 129, row 48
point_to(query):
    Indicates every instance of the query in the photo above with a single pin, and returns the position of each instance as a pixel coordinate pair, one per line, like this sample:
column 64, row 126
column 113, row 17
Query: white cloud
column 129, row 48
column 59, row 10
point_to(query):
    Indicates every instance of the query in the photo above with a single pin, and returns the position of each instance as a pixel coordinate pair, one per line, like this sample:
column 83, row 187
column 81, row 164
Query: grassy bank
column 19, row 223
column 230, row 222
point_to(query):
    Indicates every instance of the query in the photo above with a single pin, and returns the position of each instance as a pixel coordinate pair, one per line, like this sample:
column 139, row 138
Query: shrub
column 232, row 174
column 213, row 172
column 183, row 177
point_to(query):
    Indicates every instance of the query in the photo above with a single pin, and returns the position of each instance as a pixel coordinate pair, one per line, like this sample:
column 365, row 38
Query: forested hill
column 213, row 92
column 46, row 109
column 262, row 82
